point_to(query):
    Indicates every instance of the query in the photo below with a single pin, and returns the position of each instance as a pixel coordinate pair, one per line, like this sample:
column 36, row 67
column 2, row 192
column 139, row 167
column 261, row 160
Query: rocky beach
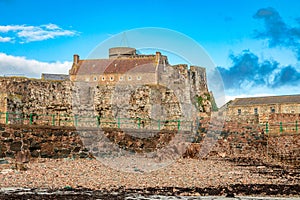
column 90, row 179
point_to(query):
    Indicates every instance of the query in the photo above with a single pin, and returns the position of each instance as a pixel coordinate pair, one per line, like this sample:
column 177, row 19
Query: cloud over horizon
column 277, row 32
column 253, row 75
column 247, row 72
column 21, row 66
column 25, row 33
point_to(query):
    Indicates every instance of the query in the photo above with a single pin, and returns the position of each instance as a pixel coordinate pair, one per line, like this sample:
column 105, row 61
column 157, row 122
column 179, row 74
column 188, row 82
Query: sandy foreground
column 183, row 173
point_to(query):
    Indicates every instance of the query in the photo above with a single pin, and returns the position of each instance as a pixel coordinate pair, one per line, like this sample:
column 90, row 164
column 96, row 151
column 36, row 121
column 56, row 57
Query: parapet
column 116, row 52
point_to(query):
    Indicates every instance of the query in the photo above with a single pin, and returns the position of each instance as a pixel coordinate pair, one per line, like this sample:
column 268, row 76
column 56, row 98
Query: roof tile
column 119, row 65
column 266, row 100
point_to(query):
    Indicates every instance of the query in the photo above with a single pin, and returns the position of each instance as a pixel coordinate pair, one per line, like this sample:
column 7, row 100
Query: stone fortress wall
column 171, row 96
column 40, row 115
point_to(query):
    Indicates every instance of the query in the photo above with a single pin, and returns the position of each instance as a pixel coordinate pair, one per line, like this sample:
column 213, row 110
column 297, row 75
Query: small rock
column 261, row 167
column 3, row 161
column 68, row 188
column 5, row 134
column 6, row 171
column 230, row 195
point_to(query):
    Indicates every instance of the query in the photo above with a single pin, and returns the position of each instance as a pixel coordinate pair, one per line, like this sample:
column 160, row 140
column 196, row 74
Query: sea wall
column 250, row 147
column 63, row 142
column 68, row 142
column 40, row 141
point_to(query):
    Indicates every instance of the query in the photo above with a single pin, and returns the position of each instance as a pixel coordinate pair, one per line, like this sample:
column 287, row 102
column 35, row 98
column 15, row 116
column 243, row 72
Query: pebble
column 3, row 161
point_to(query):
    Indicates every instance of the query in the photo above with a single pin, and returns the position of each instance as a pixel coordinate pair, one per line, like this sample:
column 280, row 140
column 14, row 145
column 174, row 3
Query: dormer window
column 121, row 78
column 103, row 78
column 111, row 78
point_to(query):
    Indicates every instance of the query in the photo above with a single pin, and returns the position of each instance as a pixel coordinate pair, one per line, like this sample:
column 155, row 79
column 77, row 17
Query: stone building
column 125, row 66
column 126, row 75
column 262, row 107
column 125, row 85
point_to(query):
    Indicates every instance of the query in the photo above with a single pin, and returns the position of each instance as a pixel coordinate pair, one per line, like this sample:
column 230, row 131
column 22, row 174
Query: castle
column 125, row 85
column 124, row 65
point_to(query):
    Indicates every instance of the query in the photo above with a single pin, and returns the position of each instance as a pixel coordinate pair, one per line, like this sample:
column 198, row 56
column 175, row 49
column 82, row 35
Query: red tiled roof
column 119, row 65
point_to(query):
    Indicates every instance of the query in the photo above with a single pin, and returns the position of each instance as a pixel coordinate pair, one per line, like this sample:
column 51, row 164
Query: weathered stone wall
column 249, row 147
column 3, row 102
column 40, row 141
column 188, row 85
column 63, row 142
column 285, row 148
column 276, row 123
column 280, row 117
column 148, row 103
column 39, row 97
column 32, row 101
column 58, row 142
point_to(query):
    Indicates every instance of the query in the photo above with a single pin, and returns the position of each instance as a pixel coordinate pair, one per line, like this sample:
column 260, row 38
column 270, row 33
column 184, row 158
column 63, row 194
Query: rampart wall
column 41, row 102
column 66, row 142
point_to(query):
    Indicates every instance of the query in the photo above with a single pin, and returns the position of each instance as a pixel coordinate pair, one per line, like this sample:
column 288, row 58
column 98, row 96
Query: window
column 272, row 110
column 129, row 78
column 103, row 78
column 121, row 78
column 139, row 78
column 95, row 78
column 255, row 111
column 111, row 78
column 239, row 111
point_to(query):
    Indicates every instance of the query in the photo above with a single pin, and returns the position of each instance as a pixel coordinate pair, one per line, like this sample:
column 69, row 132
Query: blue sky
column 255, row 44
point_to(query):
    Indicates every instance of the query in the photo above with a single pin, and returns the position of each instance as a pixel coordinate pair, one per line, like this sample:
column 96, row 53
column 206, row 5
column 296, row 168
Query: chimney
column 157, row 57
column 75, row 59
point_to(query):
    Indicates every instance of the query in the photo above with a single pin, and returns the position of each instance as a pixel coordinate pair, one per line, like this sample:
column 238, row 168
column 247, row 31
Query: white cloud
column 27, row 33
column 8, row 28
column 5, row 39
column 21, row 66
